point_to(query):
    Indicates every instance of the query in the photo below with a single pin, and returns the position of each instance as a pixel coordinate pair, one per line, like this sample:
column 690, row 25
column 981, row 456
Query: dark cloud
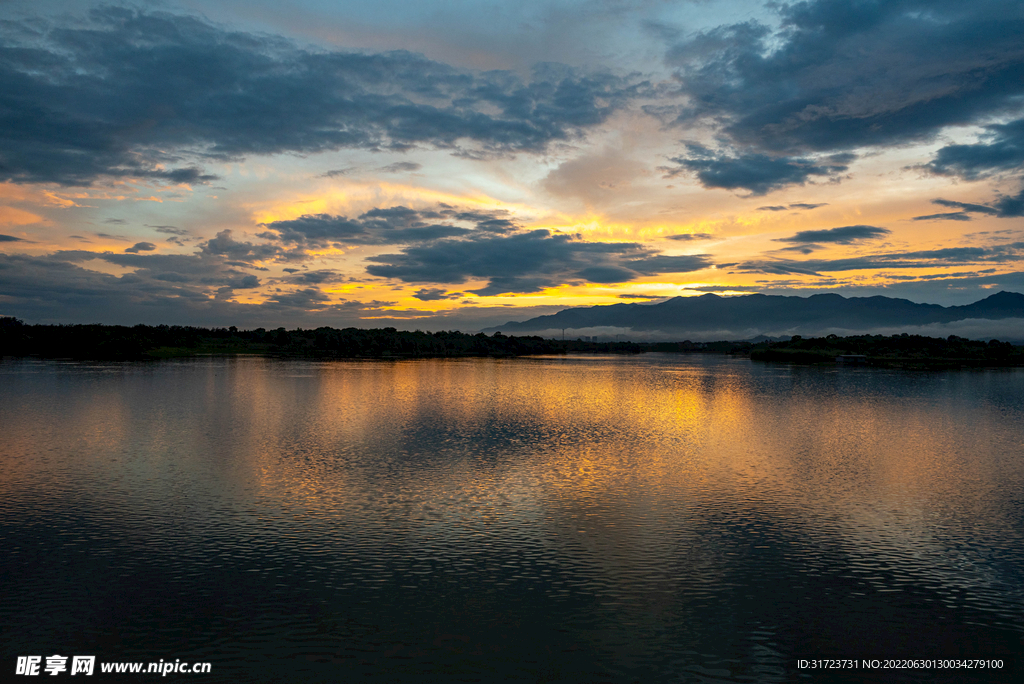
column 524, row 262
column 797, row 205
column 1000, row 253
column 317, row 230
column 393, row 225
column 11, row 238
column 776, row 267
column 244, row 282
column 401, row 167
column 755, row 172
column 155, row 95
column 963, row 206
column 844, row 235
column 246, row 252
column 689, row 237
column 308, row 298
column 1010, row 206
column 334, row 173
column 169, row 230
column 184, row 288
column 171, row 289
column 115, row 221
column 527, row 261
column 326, row 275
column 948, row 216
column 433, row 294
column 1003, row 150
column 220, row 266
column 661, row 263
column 807, row 248
column 1004, row 206
column 639, row 296
column 842, row 75
column 57, row 283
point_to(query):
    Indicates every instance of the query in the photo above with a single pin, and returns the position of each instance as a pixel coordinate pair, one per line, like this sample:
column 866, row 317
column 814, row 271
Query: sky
column 454, row 165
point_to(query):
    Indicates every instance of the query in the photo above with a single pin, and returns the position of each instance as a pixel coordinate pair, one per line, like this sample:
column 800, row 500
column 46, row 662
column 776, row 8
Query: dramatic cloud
column 963, row 206
column 527, row 262
column 394, row 225
column 875, row 108
column 840, row 75
column 183, row 290
column 1010, row 206
column 246, row 252
column 844, row 235
column 1005, row 206
column 163, row 288
column 153, row 95
column 1003, row 151
column 758, row 173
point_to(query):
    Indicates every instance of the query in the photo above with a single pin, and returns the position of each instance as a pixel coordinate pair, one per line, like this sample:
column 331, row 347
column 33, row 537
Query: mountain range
column 742, row 317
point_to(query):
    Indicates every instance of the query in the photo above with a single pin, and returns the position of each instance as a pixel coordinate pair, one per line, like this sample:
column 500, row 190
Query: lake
column 651, row 518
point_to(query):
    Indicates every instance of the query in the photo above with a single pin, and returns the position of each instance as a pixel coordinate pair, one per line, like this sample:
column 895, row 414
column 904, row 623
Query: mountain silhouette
column 768, row 314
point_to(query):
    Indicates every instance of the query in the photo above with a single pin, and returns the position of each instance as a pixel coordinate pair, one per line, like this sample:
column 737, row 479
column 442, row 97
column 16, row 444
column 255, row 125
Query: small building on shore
column 851, row 360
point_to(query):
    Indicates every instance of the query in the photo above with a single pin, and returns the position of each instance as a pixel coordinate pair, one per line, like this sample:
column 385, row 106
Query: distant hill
column 748, row 316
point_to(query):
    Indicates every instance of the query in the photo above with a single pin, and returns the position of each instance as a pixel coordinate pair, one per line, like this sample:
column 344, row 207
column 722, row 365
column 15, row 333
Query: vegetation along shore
column 146, row 342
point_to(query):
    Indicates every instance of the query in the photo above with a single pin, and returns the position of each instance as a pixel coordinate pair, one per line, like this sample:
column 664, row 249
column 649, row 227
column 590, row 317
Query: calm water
column 584, row 519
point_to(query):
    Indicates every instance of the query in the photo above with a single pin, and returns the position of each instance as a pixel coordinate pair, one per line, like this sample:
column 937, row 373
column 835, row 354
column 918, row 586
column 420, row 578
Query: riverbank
column 142, row 342
column 895, row 351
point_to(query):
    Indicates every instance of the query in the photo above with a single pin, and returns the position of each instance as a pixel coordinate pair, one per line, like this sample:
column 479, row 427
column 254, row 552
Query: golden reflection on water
column 656, row 488
column 314, row 434
column 470, row 443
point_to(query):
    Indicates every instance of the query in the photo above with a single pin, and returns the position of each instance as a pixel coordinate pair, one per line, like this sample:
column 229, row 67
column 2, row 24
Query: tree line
column 116, row 342
column 893, row 350
column 140, row 342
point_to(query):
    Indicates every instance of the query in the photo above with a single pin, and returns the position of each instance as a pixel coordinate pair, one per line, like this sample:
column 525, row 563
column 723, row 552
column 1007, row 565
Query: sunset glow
column 458, row 166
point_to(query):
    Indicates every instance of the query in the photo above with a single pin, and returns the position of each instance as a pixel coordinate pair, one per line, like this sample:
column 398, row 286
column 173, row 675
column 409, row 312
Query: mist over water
column 650, row 518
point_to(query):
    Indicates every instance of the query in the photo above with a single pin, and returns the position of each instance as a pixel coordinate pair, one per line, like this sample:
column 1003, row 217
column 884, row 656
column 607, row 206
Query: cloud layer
column 836, row 76
column 155, row 95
